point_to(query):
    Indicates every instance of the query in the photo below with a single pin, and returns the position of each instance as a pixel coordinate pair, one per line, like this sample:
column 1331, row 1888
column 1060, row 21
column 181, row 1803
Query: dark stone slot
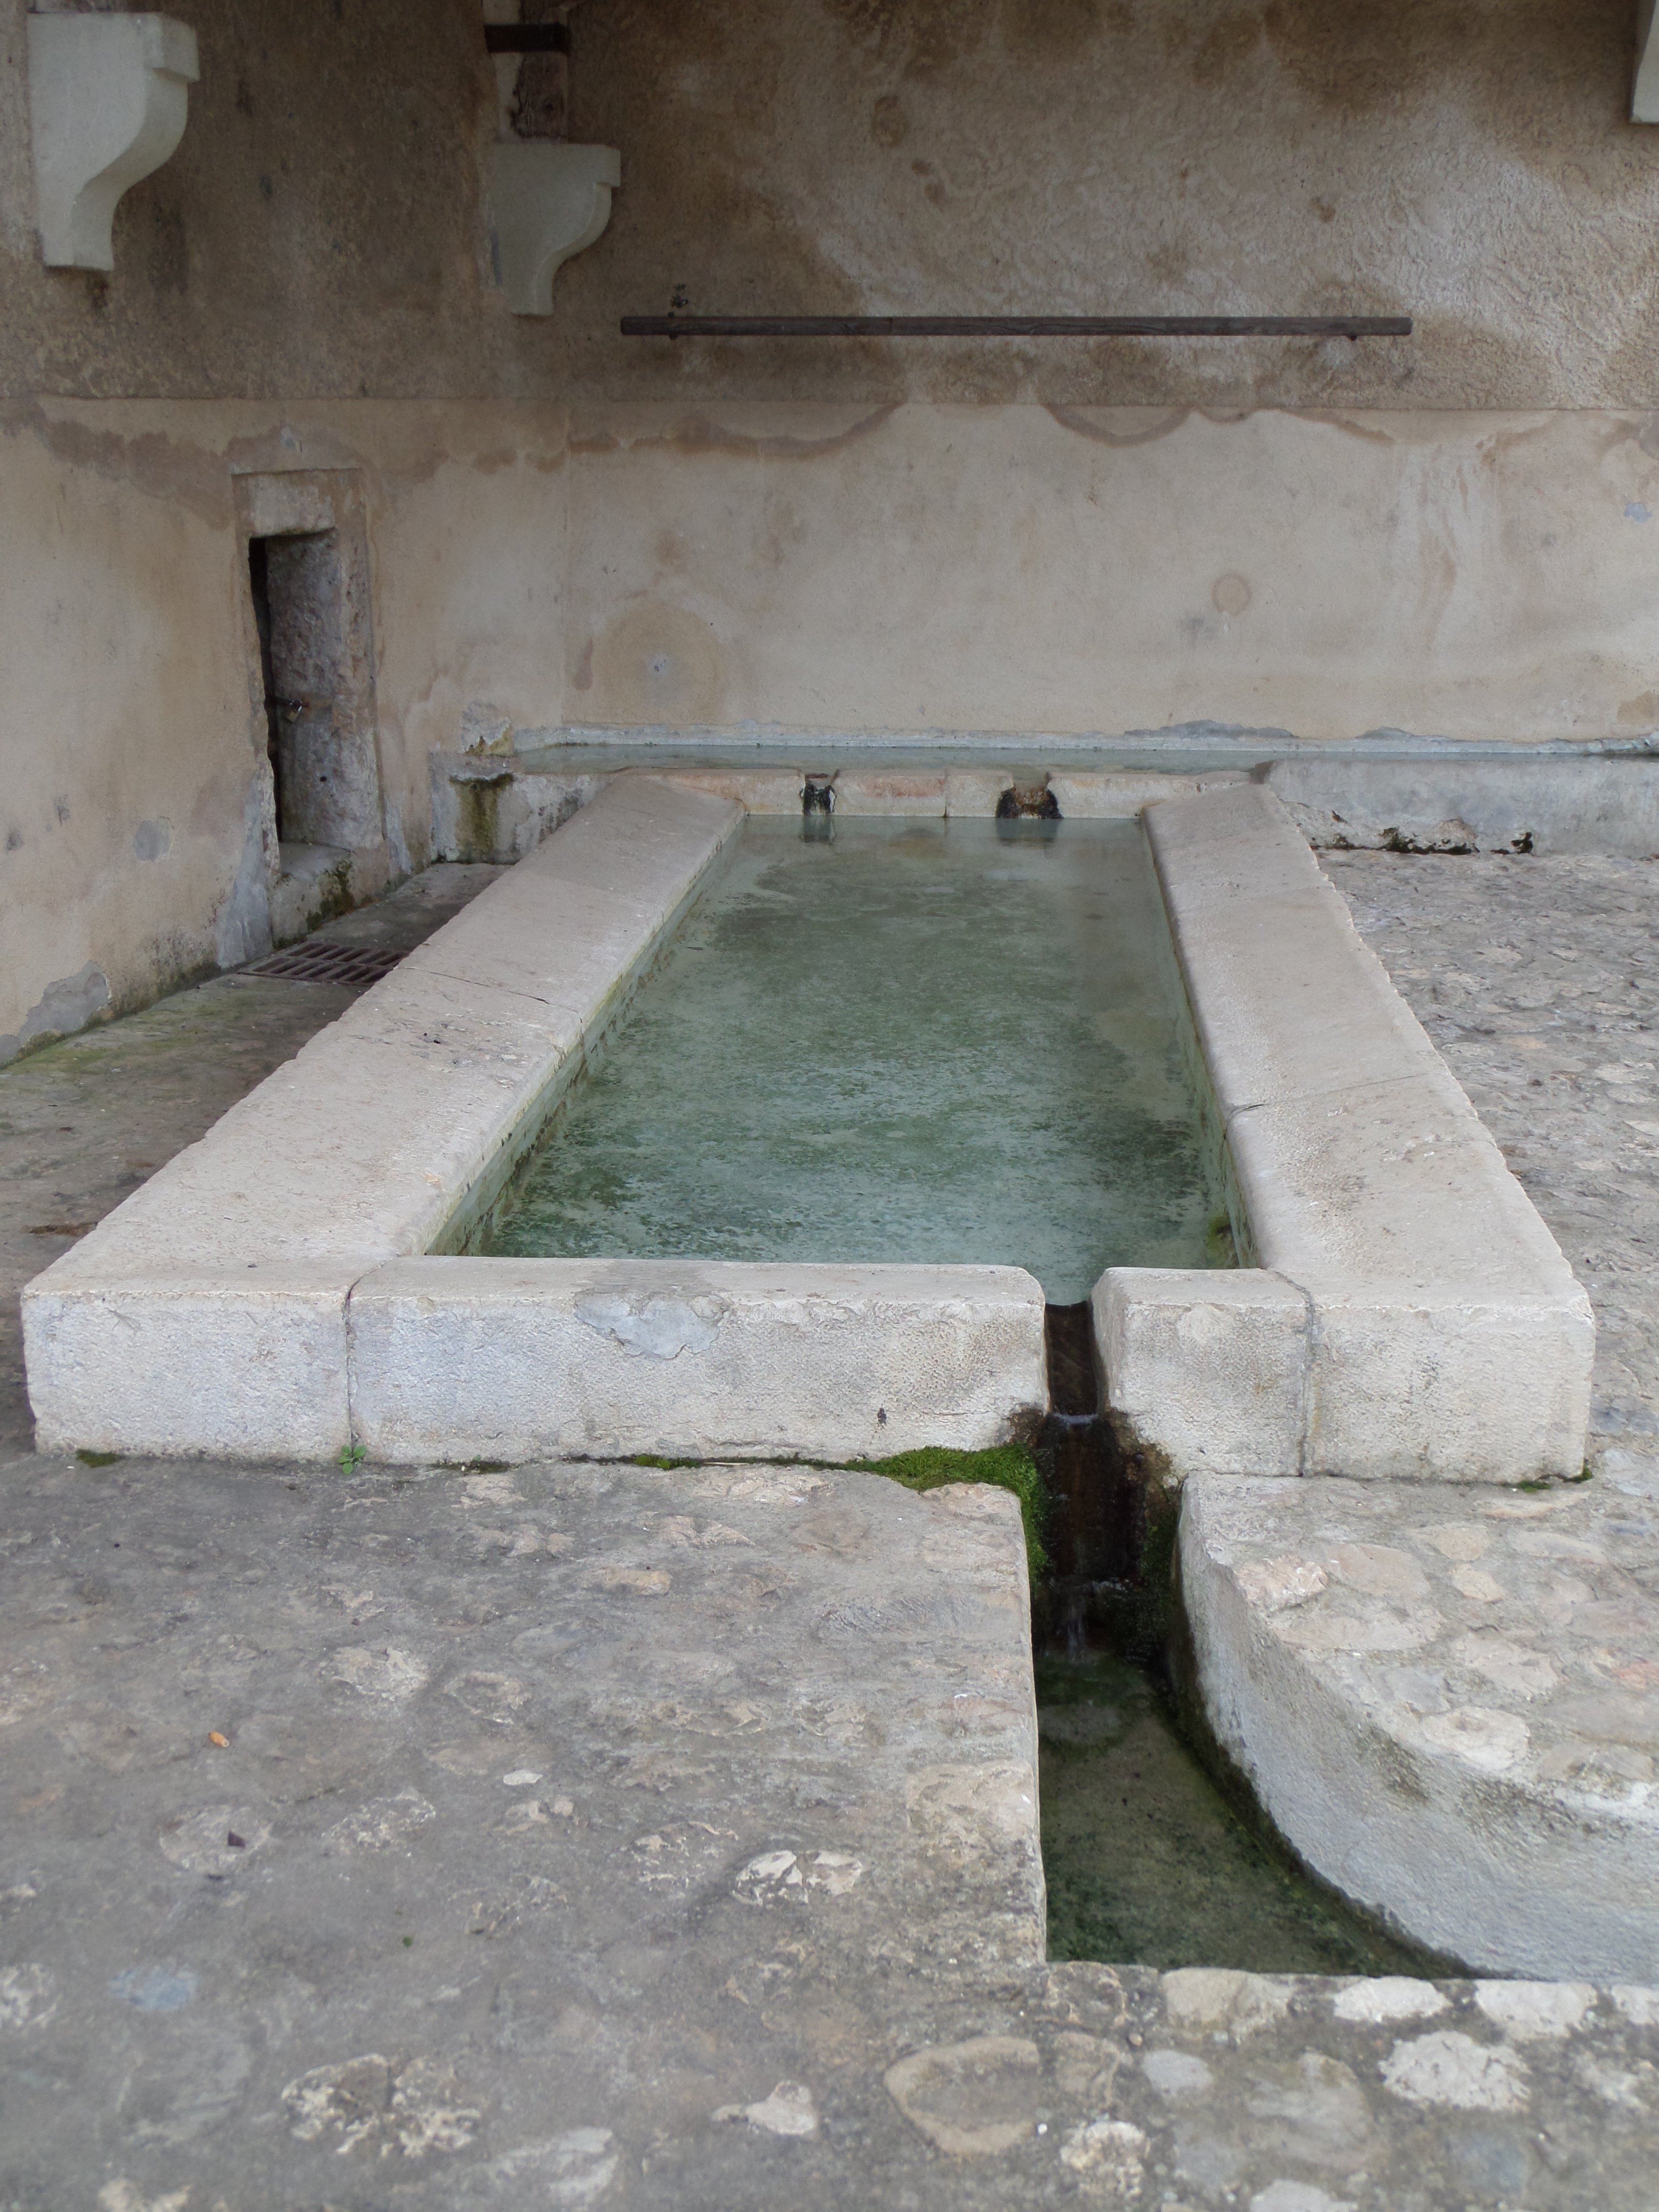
column 1154, row 1849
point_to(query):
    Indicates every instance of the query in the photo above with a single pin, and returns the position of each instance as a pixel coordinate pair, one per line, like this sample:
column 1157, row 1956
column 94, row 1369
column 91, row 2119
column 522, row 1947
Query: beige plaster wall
column 1481, row 575
column 134, row 834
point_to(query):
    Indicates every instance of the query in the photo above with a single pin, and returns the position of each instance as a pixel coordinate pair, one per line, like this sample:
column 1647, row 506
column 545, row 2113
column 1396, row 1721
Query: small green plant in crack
column 351, row 1458
column 1005, row 1467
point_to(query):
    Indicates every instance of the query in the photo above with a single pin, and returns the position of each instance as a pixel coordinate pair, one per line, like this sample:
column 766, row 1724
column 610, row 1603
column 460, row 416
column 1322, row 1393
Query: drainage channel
column 1149, row 1859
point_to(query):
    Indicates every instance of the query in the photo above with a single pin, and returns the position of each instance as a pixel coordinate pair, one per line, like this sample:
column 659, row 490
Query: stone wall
column 136, row 834
column 1448, row 535
column 322, row 230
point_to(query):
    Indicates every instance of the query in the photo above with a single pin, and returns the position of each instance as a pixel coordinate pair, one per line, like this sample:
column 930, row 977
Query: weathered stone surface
column 1107, row 794
column 1444, row 1336
column 1445, row 1698
column 1539, row 982
column 612, row 2041
column 489, row 808
column 1461, row 806
column 526, row 1358
column 357, row 1151
column 1176, row 1350
column 919, row 792
column 757, row 790
column 613, row 1837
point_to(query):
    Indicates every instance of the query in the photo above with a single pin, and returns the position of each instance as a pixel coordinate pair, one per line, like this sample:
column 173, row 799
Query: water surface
column 1146, row 1862
column 921, row 1041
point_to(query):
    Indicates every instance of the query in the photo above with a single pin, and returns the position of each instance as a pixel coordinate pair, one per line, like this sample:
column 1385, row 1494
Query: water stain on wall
column 659, row 663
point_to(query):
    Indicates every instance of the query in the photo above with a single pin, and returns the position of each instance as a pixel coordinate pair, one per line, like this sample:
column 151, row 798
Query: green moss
column 650, row 1459
column 1219, row 1249
column 1007, row 1467
column 97, row 1459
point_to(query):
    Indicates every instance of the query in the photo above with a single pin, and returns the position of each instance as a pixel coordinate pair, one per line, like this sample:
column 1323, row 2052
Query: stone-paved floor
column 1537, row 979
column 637, row 1838
column 83, row 1123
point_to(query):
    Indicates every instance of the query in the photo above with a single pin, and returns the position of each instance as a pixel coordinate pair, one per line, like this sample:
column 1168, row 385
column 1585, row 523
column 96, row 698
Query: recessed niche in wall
column 312, row 687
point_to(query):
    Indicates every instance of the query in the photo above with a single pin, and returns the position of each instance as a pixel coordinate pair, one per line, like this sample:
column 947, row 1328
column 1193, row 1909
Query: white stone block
column 1445, row 1336
column 897, row 791
column 975, row 791
column 566, row 947
column 1445, row 1385
column 757, row 790
column 1120, row 794
column 359, row 1149
column 1397, row 1183
column 1205, row 1369
column 527, row 1358
column 1288, row 998
column 247, row 1363
column 645, row 838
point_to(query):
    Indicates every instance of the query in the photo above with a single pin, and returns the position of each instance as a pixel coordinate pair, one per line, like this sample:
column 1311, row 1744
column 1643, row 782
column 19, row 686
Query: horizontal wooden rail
column 1016, row 326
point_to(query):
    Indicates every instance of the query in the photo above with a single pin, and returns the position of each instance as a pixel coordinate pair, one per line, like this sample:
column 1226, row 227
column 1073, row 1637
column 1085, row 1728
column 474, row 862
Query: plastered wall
column 1451, row 536
column 133, row 823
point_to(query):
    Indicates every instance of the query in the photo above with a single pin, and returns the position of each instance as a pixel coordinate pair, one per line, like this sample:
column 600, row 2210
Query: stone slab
column 526, row 1358
column 1287, row 1000
column 1582, row 805
column 655, row 1841
column 1444, row 1336
column 361, row 1148
column 1120, row 794
column 1537, row 981
column 1211, row 1372
column 975, row 792
column 1446, row 1701
column 249, row 1362
column 757, row 790
column 891, row 791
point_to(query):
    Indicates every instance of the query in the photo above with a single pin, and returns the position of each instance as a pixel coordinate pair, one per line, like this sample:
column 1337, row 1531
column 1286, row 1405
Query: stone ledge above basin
column 1406, row 1313
column 701, row 1360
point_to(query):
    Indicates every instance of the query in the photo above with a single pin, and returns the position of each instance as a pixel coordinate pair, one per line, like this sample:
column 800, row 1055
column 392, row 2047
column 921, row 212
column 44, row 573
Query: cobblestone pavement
column 1537, row 979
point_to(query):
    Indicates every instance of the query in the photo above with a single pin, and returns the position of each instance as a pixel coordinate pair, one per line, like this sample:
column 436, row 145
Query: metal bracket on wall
column 108, row 100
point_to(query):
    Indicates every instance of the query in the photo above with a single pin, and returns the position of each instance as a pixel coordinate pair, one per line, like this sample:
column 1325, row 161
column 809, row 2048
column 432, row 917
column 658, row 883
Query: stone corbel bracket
column 1644, row 96
column 551, row 201
column 108, row 99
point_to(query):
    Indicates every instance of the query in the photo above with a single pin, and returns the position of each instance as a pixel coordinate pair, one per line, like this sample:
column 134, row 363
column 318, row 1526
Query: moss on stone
column 1005, row 1467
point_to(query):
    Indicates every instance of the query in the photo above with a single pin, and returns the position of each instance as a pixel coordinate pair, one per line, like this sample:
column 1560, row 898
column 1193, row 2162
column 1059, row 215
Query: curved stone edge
column 1408, row 1314
column 1399, row 1678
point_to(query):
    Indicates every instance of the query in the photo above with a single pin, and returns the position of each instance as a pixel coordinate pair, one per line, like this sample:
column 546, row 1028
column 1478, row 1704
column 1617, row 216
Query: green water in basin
column 1145, row 1861
column 924, row 1041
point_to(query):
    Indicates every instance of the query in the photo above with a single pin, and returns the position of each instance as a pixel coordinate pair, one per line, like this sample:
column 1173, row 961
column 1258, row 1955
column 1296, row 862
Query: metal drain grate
column 318, row 961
